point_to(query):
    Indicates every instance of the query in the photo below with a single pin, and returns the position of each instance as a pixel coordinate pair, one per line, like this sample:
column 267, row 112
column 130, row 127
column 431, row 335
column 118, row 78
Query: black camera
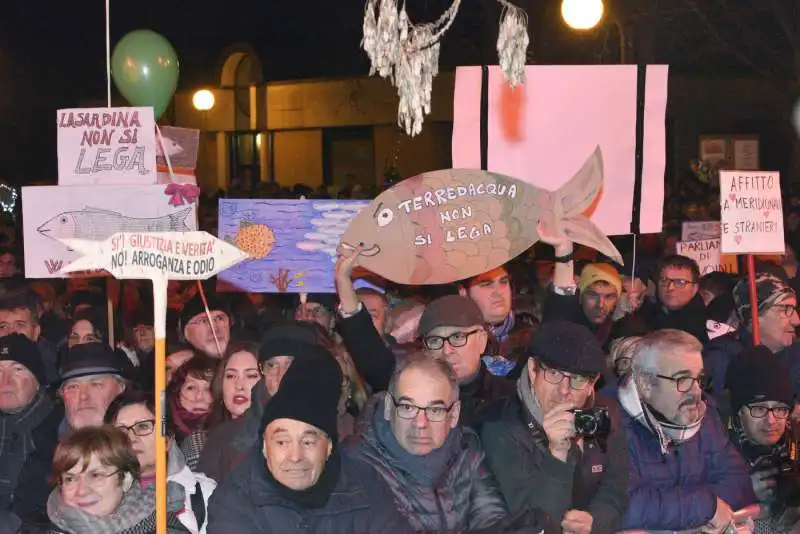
column 592, row 423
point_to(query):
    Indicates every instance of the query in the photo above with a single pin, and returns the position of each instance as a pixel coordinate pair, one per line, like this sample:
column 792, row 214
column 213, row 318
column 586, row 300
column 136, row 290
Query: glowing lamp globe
column 582, row 14
column 203, row 100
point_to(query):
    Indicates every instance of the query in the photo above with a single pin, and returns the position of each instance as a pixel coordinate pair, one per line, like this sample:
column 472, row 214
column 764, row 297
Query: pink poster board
column 543, row 132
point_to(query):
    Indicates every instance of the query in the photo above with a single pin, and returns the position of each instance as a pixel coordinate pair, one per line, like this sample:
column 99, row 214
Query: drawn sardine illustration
column 443, row 226
column 98, row 224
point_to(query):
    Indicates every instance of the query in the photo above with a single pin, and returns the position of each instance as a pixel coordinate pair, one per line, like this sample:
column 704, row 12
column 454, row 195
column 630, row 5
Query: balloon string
column 108, row 51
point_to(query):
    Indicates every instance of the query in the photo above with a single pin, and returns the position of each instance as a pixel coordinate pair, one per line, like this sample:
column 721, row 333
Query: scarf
column 136, row 507
column 529, row 400
column 317, row 495
column 186, row 421
column 16, row 438
column 424, row 469
column 667, row 433
column 497, row 364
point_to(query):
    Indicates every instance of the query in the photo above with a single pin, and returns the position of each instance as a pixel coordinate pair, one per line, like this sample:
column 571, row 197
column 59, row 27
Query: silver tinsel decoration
column 512, row 43
column 407, row 54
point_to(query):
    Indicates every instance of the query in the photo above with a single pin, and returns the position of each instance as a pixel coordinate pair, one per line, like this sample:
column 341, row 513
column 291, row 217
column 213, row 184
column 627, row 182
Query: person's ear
column 127, row 482
column 455, row 412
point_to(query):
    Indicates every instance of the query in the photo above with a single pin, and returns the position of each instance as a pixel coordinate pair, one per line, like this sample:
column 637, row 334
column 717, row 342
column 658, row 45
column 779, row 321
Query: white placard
column 106, row 146
column 751, row 212
column 699, row 230
column 708, row 256
column 152, row 255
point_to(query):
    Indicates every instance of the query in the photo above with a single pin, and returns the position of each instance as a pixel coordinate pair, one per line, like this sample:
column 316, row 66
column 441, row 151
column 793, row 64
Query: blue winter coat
column 679, row 491
column 246, row 502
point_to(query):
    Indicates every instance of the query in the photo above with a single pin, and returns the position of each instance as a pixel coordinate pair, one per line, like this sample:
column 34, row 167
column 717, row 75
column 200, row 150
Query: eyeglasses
column 685, row 383
column 459, row 339
column 140, row 429
column 622, row 364
column 555, row 377
column 94, row 479
column 679, row 283
column 408, row 410
column 219, row 318
column 778, row 412
column 787, row 310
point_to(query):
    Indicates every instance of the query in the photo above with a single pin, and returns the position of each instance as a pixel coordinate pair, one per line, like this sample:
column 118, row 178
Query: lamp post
column 582, row 15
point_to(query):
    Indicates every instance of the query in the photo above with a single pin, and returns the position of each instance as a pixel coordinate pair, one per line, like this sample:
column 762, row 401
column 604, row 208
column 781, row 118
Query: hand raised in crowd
column 722, row 519
column 764, row 483
column 347, row 262
column 552, row 236
column 577, row 522
column 559, row 425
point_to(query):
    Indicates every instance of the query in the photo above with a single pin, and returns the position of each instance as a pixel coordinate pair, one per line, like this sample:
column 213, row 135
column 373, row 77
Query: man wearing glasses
column 411, row 437
column 540, row 457
column 684, row 473
column 761, row 400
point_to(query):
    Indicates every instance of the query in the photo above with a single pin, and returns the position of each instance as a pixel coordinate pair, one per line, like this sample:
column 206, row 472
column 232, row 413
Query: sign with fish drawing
column 292, row 244
column 543, row 131
column 52, row 213
column 181, row 145
column 106, row 146
column 443, row 226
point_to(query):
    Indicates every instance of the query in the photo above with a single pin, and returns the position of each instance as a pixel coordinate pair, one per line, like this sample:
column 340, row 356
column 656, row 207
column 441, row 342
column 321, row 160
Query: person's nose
column 421, row 419
column 83, row 393
column 447, row 348
column 82, row 488
column 295, row 452
column 563, row 386
column 794, row 320
column 5, row 377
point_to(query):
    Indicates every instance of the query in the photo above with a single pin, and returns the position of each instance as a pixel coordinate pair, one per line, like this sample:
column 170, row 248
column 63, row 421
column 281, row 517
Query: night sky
column 52, row 54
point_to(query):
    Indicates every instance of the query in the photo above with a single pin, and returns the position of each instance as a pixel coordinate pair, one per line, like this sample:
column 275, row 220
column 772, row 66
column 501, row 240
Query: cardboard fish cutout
column 443, row 226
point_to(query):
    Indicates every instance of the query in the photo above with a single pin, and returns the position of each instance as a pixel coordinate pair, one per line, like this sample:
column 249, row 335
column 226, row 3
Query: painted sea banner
column 292, row 244
column 541, row 132
column 52, row 213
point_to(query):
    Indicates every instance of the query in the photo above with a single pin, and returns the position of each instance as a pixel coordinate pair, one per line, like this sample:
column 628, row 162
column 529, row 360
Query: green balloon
column 144, row 67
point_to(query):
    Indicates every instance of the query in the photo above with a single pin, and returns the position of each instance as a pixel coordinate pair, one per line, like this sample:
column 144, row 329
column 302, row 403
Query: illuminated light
column 203, row 100
column 582, row 14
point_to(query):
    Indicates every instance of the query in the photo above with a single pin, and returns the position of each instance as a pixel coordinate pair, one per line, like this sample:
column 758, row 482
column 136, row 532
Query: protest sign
column 158, row 257
column 706, row 253
column 699, row 230
column 106, row 146
column 443, row 226
column 542, row 131
column 751, row 212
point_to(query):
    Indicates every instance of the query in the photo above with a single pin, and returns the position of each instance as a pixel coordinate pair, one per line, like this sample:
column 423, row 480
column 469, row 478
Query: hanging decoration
column 407, row 54
column 8, row 198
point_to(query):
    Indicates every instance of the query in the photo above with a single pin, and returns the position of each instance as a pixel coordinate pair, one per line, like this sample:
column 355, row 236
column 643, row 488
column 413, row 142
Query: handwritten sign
column 751, row 212
column 444, row 226
column 707, row 254
column 149, row 255
column 106, row 146
column 699, row 230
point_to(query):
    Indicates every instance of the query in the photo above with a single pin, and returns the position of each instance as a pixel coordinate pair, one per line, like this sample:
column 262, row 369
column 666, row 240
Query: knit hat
column 89, row 359
column 757, row 375
column 451, row 310
column 194, row 307
column 568, row 347
column 769, row 290
column 309, row 392
column 20, row 349
column 599, row 272
column 296, row 338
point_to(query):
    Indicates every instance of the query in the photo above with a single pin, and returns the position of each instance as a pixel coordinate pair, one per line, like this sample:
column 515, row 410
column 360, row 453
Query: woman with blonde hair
column 98, row 490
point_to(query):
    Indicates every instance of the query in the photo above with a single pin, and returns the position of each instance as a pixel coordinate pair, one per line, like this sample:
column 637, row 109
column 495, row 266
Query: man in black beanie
column 209, row 336
column 580, row 459
column 762, row 398
column 296, row 478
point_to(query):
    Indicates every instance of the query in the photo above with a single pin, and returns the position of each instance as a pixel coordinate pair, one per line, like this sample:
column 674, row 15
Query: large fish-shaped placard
column 448, row 225
column 52, row 213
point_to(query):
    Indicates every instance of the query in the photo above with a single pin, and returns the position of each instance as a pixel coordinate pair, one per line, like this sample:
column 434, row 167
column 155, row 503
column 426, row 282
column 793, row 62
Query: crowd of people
column 558, row 393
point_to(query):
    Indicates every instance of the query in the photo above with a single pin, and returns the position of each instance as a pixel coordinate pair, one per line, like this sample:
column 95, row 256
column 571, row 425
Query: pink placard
column 543, row 132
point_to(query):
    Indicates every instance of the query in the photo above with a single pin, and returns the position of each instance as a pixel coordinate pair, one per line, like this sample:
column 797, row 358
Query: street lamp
column 582, row 14
column 203, row 100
